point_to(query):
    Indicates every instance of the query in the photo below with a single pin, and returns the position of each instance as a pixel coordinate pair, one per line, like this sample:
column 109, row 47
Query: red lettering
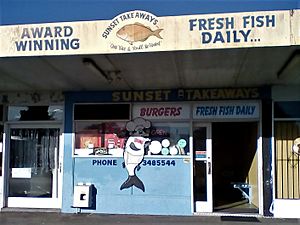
column 173, row 112
column 142, row 113
column 155, row 112
column 161, row 111
column 167, row 111
column 148, row 112
column 179, row 111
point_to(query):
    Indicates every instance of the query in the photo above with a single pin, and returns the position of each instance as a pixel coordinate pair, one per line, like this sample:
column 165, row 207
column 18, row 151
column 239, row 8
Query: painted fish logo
column 137, row 32
column 133, row 156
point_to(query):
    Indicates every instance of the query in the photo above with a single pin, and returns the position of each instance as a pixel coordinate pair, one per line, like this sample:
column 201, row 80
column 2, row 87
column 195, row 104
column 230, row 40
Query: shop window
column 100, row 129
column 100, row 138
column 287, row 149
column 102, row 112
column 169, row 139
column 109, row 138
column 287, row 157
column 35, row 113
column 287, row 109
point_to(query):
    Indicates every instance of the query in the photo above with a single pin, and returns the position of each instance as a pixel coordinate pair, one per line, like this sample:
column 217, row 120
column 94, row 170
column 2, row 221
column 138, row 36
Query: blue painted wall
column 167, row 188
column 42, row 11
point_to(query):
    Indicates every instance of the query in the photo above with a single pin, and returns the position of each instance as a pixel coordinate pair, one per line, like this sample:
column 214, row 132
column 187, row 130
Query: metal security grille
column 287, row 160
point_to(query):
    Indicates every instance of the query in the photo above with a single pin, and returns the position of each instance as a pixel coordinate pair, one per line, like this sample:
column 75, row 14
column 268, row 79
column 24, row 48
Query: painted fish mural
column 137, row 32
column 133, row 156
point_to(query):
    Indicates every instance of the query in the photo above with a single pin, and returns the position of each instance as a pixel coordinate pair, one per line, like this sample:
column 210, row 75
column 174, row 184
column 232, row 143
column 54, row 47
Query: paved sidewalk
column 34, row 218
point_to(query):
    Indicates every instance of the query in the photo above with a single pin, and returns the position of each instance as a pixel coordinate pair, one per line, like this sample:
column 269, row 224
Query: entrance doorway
column 202, row 170
column 235, row 174
column 33, row 174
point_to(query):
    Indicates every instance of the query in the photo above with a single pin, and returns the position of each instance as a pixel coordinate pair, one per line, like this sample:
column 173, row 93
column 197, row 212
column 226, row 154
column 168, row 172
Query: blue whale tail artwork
column 133, row 181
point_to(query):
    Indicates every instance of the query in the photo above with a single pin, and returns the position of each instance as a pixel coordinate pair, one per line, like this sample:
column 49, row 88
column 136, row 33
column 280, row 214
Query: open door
column 202, row 181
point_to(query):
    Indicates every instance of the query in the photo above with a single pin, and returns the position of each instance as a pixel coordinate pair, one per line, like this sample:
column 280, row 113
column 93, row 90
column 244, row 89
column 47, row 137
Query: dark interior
column 233, row 149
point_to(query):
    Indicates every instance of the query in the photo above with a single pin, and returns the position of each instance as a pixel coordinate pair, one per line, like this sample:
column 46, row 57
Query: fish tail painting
column 133, row 181
column 156, row 33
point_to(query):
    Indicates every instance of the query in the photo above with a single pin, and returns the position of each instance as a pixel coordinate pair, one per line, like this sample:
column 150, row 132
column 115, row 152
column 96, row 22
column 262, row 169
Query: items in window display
column 155, row 147
column 101, row 151
column 174, row 150
column 181, row 143
column 165, row 151
column 108, row 138
column 88, row 140
column 178, row 149
column 164, row 147
column 100, row 138
column 165, row 143
column 134, row 152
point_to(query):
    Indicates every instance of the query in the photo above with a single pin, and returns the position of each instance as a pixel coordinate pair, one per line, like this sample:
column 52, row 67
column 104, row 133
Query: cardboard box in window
column 88, row 140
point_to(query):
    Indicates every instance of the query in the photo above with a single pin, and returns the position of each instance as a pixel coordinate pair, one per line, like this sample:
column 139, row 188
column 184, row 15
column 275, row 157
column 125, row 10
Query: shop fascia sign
column 161, row 111
column 141, row 31
column 203, row 94
column 226, row 110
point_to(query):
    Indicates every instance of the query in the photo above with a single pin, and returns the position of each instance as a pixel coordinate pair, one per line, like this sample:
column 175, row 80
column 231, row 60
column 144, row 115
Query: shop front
column 32, row 152
column 176, row 112
column 194, row 156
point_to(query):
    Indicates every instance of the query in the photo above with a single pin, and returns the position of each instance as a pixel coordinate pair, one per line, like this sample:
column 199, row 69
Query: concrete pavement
column 50, row 218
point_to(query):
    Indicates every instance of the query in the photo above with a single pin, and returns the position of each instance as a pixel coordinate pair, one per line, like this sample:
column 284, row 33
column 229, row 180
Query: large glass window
column 100, row 129
column 35, row 113
column 287, row 155
column 103, row 129
column 287, row 149
column 169, row 138
column 99, row 138
column 109, row 138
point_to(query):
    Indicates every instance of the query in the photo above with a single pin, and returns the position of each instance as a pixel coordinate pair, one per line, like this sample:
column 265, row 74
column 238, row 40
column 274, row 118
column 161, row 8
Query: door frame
column 203, row 206
column 32, row 202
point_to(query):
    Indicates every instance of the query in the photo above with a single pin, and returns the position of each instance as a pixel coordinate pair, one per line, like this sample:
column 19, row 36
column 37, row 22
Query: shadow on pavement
column 239, row 219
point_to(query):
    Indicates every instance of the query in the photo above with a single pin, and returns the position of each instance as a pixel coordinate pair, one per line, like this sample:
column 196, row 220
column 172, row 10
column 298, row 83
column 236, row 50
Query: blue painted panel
column 167, row 188
column 68, row 162
column 42, row 11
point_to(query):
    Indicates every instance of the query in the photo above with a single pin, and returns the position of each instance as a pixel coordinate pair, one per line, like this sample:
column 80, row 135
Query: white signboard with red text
column 161, row 111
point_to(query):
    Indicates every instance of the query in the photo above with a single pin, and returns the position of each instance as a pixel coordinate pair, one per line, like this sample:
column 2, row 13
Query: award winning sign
column 140, row 31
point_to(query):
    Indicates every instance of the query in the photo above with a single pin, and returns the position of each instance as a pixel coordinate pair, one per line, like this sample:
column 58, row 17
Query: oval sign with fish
column 134, row 31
